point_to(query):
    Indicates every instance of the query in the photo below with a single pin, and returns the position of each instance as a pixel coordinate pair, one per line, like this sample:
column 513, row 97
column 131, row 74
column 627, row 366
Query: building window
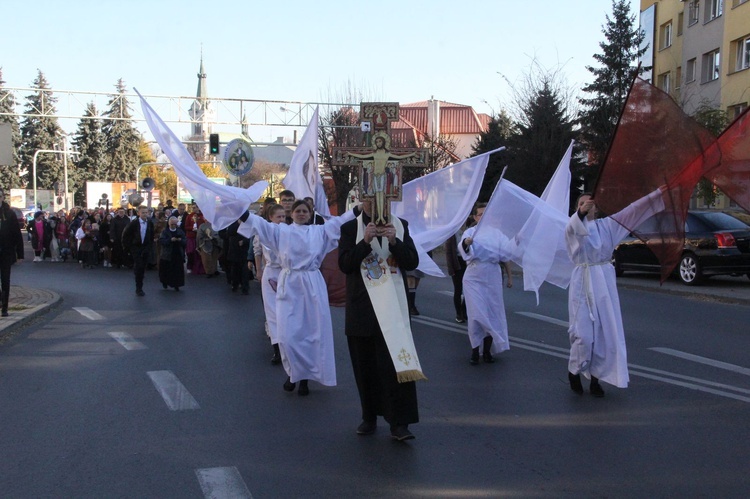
column 680, row 22
column 714, row 9
column 678, row 78
column 711, row 66
column 693, row 12
column 734, row 111
column 738, row 2
column 690, row 70
column 664, row 82
column 742, row 48
column 665, row 35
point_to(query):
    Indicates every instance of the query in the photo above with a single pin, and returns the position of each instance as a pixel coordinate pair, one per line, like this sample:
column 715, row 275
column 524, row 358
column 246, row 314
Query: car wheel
column 690, row 270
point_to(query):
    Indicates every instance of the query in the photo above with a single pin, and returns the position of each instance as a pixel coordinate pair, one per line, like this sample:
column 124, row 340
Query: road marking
column 172, row 391
column 222, row 483
column 690, row 382
column 544, row 318
column 127, row 341
column 447, row 293
column 703, row 360
column 88, row 313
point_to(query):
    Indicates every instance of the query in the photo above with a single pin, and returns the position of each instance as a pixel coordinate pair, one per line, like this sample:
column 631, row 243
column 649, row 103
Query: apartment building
column 700, row 51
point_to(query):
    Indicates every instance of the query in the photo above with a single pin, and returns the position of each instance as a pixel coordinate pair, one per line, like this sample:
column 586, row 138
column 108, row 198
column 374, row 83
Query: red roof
column 454, row 118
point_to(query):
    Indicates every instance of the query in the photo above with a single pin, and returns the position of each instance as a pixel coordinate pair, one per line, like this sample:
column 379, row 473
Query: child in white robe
column 597, row 337
column 304, row 329
column 269, row 268
column 483, row 292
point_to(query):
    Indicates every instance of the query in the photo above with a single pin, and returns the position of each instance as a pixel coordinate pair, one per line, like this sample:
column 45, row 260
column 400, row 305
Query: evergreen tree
column 545, row 129
column 607, row 93
column 499, row 132
column 10, row 174
column 90, row 164
column 40, row 130
column 122, row 140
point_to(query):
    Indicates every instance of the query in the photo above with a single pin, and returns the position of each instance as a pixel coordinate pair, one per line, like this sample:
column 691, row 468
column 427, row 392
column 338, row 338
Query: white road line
column 459, row 328
column 703, row 360
column 88, row 313
column 172, row 391
column 544, row 318
column 127, row 341
column 447, row 293
column 222, row 483
column 698, row 384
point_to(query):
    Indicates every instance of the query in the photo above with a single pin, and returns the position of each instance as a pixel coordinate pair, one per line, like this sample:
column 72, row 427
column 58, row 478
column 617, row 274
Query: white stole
column 385, row 287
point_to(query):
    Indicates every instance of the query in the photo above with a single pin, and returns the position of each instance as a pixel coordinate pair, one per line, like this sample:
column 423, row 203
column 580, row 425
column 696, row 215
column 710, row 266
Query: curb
column 18, row 319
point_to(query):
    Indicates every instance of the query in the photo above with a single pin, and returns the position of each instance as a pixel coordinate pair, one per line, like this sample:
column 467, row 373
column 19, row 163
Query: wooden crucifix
column 379, row 166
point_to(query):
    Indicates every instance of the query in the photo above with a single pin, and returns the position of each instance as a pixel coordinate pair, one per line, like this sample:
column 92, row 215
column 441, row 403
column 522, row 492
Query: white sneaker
column 37, row 259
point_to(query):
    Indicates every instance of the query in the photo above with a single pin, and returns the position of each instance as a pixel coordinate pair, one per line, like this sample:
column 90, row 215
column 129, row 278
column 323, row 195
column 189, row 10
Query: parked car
column 715, row 244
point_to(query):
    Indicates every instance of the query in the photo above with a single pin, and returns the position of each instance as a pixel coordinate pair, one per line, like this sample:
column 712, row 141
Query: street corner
column 25, row 305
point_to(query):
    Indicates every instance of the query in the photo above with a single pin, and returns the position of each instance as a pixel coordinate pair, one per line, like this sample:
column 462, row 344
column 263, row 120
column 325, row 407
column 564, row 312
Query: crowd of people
column 284, row 244
column 95, row 238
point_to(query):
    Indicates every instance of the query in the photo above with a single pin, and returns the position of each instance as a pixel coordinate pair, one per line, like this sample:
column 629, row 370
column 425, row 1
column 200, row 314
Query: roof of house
column 455, row 119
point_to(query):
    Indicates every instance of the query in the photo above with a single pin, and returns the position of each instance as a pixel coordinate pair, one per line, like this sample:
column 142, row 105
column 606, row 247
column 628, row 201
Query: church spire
column 202, row 90
column 200, row 111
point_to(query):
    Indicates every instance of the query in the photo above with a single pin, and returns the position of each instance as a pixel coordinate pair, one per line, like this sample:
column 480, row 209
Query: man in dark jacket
column 116, row 228
column 379, row 389
column 237, row 252
column 11, row 248
column 138, row 237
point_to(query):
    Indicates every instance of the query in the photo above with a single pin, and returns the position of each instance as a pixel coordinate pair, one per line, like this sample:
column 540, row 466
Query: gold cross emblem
column 404, row 357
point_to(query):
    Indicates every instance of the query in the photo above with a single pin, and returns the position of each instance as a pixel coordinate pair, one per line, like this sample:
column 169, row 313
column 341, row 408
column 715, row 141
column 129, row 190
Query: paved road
column 173, row 396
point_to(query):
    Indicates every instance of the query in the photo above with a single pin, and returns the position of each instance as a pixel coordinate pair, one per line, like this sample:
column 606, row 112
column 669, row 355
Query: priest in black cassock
column 382, row 390
column 172, row 258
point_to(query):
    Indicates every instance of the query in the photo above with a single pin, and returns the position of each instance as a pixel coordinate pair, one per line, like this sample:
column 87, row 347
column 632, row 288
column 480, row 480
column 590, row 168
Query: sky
column 468, row 51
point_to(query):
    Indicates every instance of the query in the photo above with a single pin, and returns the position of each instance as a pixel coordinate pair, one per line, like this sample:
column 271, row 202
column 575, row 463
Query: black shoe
column 245, row 292
column 288, row 385
column 486, row 349
column 413, row 311
column 140, row 292
column 575, row 383
column 401, row 433
column 474, row 360
column 595, row 388
column 460, row 320
column 367, row 427
column 303, row 389
column 164, row 286
column 276, row 359
column 5, row 313
column 177, row 288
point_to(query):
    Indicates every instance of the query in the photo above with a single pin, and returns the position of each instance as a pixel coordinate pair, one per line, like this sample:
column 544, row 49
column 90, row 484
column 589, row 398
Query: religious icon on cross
column 380, row 166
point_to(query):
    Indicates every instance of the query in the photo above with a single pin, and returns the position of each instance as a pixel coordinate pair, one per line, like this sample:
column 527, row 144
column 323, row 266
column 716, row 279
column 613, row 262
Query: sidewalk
column 25, row 305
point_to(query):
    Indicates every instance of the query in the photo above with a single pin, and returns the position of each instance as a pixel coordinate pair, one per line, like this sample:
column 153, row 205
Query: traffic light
column 213, row 143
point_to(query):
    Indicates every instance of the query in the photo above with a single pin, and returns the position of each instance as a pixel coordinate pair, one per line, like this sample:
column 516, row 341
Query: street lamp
column 65, row 153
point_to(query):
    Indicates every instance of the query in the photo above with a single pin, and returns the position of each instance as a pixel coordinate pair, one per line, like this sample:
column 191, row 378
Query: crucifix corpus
column 379, row 165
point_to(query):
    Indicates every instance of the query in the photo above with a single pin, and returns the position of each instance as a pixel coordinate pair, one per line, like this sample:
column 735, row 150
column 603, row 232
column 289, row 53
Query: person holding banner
column 597, row 336
column 303, row 318
column 375, row 260
column 483, row 291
